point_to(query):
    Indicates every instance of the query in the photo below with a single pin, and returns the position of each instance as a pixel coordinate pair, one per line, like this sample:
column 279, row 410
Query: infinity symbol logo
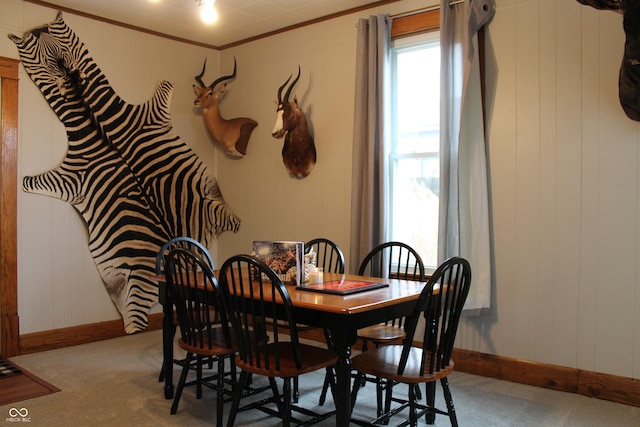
column 22, row 412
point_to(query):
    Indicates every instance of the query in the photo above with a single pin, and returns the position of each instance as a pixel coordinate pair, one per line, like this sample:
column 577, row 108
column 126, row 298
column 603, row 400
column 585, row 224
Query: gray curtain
column 369, row 180
column 464, row 201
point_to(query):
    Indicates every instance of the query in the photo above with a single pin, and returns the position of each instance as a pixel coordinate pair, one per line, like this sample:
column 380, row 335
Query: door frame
column 9, row 320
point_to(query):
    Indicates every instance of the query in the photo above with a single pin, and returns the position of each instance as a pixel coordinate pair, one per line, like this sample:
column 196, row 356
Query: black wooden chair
column 391, row 260
column 204, row 328
column 193, row 246
column 329, row 256
column 260, row 305
column 440, row 304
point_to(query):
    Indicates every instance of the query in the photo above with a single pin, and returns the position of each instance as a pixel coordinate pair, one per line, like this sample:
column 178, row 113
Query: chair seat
column 383, row 362
column 381, row 333
column 218, row 345
column 313, row 358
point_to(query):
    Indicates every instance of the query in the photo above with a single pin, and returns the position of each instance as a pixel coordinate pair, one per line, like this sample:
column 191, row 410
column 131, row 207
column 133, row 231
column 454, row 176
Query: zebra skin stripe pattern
column 133, row 180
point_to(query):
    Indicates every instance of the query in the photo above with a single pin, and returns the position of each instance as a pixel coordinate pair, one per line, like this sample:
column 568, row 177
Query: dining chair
column 440, row 304
column 186, row 243
column 260, row 305
column 329, row 255
column 204, row 328
column 391, row 260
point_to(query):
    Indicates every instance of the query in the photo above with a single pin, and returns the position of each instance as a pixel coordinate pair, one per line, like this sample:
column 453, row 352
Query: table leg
column 343, row 386
column 342, row 342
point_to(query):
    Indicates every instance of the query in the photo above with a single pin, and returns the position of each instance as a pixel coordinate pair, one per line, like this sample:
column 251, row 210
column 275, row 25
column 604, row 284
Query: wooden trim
column 592, row 384
column 417, row 23
column 609, row 387
column 82, row 334
column 205, row 45
column 118, row 23
column 9, row 321
column 516, row 370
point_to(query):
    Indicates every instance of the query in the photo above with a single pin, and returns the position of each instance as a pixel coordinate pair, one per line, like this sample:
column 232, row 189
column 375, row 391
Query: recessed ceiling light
column 208, row 12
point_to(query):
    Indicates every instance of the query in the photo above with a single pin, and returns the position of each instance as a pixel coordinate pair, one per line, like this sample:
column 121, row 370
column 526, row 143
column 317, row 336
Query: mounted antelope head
column 233, row 135
column 298, row 151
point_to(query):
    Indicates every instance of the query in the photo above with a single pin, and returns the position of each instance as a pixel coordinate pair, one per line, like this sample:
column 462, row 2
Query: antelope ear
column 196, row 90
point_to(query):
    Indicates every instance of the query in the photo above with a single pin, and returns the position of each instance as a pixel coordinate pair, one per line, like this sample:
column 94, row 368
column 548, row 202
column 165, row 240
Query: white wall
column 564, row 164
column 564, row 180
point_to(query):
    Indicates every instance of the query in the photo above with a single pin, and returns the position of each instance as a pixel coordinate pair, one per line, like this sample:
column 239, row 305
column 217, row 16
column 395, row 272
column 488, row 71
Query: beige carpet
column 115, row 382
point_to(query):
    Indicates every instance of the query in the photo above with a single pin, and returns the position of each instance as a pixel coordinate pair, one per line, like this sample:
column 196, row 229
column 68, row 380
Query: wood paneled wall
column 565, row 189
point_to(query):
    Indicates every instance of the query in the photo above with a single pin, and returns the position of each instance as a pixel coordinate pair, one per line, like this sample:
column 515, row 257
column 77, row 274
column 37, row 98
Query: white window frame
column 398, row 46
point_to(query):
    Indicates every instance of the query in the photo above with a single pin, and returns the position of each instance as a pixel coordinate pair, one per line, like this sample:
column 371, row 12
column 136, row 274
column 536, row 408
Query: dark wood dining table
column 341, row 315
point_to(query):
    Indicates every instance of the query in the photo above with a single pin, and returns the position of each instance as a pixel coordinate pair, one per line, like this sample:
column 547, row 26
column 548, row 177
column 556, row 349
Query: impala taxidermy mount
column 233, row 134
column 299, row 150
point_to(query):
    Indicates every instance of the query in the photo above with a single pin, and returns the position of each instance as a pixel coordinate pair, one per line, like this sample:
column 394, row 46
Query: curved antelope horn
column 293, row 83
column 223, row 78
column 280, row 90
column 199, row 77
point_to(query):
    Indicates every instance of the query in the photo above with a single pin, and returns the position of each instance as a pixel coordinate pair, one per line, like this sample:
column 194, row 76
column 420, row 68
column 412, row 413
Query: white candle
column 315, row 275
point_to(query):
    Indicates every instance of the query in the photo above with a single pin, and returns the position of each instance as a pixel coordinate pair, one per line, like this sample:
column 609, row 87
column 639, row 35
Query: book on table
column 343, row 287
column 285, row 258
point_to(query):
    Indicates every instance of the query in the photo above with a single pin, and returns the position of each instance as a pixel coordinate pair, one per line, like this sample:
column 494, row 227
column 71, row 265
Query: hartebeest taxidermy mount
column 629, row 77
column 298, row 151
column 233, row 134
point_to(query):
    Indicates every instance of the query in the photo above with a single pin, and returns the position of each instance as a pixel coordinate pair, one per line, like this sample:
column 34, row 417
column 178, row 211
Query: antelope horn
column 223, row 78
column 280, row 90
column 199, row 77
column 293, row 83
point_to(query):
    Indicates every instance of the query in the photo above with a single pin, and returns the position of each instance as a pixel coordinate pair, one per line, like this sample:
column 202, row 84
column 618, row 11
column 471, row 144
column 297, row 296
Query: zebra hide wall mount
column 129, row 182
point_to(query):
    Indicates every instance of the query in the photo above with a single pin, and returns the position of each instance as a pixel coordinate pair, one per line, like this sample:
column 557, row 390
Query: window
column 414, row 149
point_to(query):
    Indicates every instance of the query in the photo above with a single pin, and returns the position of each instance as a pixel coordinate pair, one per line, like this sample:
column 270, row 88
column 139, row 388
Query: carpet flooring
column 115, row 382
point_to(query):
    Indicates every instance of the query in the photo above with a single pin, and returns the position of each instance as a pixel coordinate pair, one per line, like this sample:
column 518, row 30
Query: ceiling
column 238, row 20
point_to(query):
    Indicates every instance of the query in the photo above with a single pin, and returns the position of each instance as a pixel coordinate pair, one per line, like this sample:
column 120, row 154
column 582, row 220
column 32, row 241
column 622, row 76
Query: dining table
column 342, row 315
